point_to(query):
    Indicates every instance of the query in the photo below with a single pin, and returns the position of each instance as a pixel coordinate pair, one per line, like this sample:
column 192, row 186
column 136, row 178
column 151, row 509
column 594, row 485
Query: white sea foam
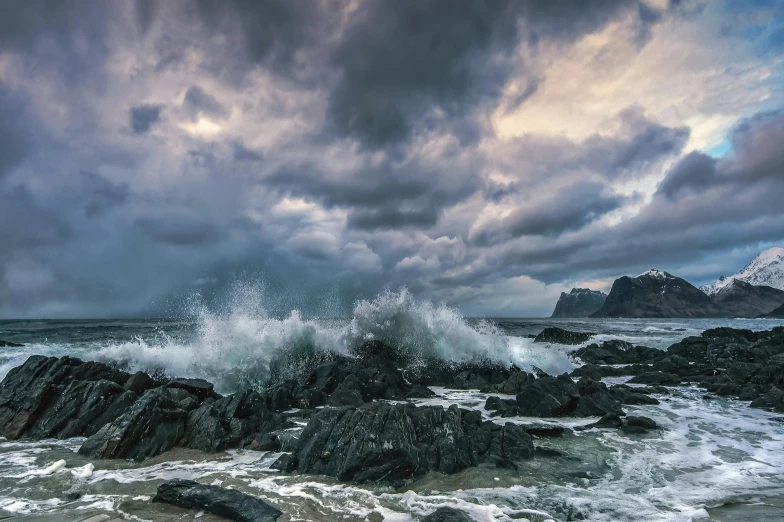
column 242, row 342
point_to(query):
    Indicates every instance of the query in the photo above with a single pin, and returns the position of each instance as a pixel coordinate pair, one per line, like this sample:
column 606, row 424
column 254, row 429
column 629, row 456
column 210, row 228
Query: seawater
column 711, row 451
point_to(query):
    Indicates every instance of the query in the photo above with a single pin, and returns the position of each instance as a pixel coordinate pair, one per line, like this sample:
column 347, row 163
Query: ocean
column 712, row 451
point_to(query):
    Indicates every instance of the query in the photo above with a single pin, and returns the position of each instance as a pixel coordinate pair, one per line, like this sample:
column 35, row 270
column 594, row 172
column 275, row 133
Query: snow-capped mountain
column 767, row 269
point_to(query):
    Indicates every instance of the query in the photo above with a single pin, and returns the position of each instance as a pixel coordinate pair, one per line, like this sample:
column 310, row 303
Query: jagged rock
column 628, row 395
column 384, row 442
column 560, row 336
column 656, row 378
column 617, row 352
column 9, row 344
column 60, row 397
column 285, row 463
column 153, row 424
column 140, row 382
column 419, row 392
column 630, row 424
column 560, row 396
column 447, row 514
column 226, row 503
column 196, row 387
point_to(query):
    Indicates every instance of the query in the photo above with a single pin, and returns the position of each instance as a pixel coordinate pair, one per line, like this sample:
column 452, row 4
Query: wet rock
column 265, row 442
column 227, row 503
column 59, row 397
column 419, row 392
column 656, row 378
column 447, row 514
column 561, row 336
column 384, row 442
column 197, row 387
column 285, row 463
column 9, row 344
column 560, row 396
column 628, row 395
column 153, row 424
column 617, row 352
column 140, row 382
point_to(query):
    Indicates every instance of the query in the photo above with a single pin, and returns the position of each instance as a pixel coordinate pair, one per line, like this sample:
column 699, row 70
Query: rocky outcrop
column 557, row 397
column 226, row 503
column 385, row 442
column 557, row 335
column 9, row 344
column 741, row 299
column 656, row 294
column 617, row 352
column 65, row 397
column 447, row 514
column 580, row 302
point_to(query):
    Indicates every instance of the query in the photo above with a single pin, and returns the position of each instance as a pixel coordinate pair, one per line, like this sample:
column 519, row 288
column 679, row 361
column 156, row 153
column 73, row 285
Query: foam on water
column 240, row 344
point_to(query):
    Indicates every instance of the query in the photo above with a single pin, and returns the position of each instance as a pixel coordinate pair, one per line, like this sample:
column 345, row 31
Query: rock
column 560, row 396
column 628, row 395
column 226, row 503
column 65, row 397
column 617, row 352
column 9, row 344
column 642, row 422
column 140, row 382
column 344, row 397
column 447, row 514
column 656, row 378
column 153, row 424
column 580, row 302
column 561, row 336
column 419, row 392
column 197, row 387
column 285, row 463
column 265, row 442
column 384, row 442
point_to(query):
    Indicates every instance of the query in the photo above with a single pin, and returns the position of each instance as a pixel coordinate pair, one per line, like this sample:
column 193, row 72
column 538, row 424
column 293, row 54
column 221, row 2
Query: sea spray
column 241, row 343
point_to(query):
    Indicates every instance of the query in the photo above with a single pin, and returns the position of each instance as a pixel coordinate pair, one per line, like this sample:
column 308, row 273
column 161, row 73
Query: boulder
column 385, row 442
column 226, row 503
column 447, row 514
column 617, row 352
column 557, row 335
column 197, row 387
column 153, row 424
column 560, row 396
column 60, row 397
column 656, row 378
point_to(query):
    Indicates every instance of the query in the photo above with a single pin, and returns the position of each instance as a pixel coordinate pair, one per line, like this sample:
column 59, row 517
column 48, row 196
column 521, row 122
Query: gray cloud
column 13, row 132
column 197, row 101
column 361, row 153
column 181, row 230
column 144, row 117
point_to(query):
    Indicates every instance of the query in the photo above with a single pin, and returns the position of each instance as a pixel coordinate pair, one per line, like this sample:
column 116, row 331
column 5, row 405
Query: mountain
column 767, row 269
column 778, row 313
column 580, row 302
column 656, row 294
column 741, row 299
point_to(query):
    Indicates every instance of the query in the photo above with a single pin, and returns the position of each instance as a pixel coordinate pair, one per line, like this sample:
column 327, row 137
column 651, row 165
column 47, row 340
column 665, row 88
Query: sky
column 487, row 155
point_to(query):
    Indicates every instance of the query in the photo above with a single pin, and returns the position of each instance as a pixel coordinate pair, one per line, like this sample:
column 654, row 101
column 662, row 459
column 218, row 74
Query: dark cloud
column 199, row 102
column 14, row 138
column 695, row 172
column 144, row 117
column 180, row 230
column 102, row 194
column 551, row 215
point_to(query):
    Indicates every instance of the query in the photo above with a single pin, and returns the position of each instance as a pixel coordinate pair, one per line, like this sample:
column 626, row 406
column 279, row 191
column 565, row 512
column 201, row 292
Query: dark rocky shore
column 359, row 425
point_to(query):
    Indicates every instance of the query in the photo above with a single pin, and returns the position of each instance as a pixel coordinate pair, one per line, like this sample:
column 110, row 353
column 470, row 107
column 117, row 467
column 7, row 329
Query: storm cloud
column 488, row 154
